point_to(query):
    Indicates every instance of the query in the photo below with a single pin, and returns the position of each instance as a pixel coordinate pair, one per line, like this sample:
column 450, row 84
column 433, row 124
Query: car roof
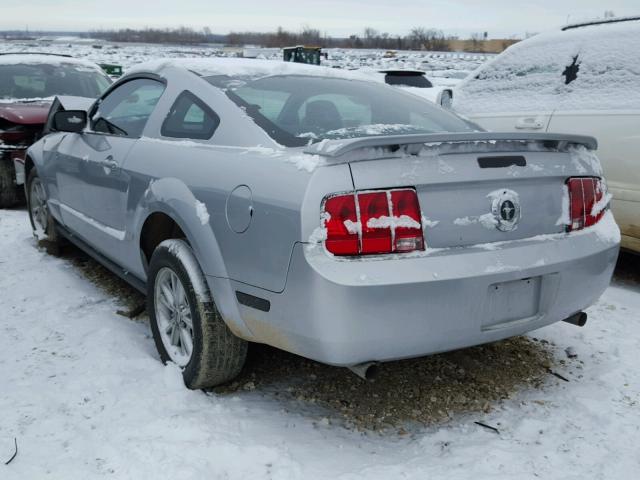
column 619, row 33
column 33, row 58
column 605, row 21
column 244, row 67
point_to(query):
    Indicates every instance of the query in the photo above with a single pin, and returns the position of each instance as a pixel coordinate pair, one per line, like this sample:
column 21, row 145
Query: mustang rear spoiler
column 414, row 143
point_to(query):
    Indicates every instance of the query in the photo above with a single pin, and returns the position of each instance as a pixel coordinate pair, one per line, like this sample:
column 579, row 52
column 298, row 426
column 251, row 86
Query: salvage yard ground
column 83, row 394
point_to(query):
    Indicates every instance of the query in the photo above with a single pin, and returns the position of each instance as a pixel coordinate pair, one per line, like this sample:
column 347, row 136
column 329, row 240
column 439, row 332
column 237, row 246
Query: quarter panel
column 192, row 182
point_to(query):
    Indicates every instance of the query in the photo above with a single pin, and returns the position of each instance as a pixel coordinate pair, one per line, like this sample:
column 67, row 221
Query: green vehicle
column 114, row 71
column 302, row 54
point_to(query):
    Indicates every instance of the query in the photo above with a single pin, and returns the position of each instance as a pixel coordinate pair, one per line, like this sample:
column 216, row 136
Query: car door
column 603, row 100
column 92, row 182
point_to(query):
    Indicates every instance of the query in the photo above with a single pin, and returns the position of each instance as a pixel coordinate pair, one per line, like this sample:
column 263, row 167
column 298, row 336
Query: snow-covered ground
column 83, row 392
column 443, row 68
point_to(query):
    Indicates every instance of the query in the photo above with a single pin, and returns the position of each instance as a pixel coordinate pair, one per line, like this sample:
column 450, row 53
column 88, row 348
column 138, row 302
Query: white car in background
column 582, row 79
column 416, row 82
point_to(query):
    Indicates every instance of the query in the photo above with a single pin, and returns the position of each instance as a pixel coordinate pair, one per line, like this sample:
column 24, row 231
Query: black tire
column 217, row 354
column 9, row 191
column 44, row 229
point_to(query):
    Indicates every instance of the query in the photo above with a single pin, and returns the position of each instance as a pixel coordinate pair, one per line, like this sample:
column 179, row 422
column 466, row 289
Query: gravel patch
column 422, row 391
column 408, row 393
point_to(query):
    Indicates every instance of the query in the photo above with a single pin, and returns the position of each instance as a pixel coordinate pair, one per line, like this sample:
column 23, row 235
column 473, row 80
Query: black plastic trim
column 135, row 282
column 253, row 302
column 502, row 162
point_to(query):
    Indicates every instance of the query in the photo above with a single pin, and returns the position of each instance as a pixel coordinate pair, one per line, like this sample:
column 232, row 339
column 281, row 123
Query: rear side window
column 190, row 117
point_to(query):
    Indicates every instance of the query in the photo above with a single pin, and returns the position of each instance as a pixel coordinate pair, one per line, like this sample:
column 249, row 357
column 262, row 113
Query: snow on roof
column 46, row 59
column 600, row 22
column 245, row 67
column 531, row 75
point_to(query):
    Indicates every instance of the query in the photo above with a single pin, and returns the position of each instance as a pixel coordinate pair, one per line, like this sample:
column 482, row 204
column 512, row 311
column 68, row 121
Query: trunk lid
column 493, row 188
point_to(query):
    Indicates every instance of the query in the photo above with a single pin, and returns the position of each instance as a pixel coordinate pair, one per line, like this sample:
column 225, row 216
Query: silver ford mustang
column 318, row 212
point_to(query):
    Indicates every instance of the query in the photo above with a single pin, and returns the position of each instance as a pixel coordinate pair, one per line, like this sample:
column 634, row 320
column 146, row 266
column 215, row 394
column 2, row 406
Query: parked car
column 416, row 82
column 336, row 218
column 581, row 79
column 28, row 84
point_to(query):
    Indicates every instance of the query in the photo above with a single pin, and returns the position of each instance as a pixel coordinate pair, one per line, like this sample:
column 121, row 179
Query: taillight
column 376, row 229
column 585, row 194
column 408, row 234
column 373, row 222
column 341, row 221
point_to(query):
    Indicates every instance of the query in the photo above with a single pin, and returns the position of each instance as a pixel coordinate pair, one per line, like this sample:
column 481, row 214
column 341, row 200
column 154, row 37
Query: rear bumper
column 344, row 312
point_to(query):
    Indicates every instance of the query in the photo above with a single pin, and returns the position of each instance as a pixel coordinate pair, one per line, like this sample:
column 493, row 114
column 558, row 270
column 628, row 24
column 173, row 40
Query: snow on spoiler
column 414, row 143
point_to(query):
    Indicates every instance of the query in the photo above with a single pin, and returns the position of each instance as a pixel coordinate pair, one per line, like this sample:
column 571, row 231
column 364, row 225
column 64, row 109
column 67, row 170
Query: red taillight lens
column 374, row 217
column 341, row 222
column 584, row 194
column 373, row 222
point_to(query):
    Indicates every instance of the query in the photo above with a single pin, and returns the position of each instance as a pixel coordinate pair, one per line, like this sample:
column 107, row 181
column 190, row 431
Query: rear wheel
column 9, row 191
column 187, row 327
column 42, row 222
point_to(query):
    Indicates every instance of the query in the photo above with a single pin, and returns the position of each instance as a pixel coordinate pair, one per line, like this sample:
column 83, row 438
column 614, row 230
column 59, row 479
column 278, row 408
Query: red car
column 28, row 85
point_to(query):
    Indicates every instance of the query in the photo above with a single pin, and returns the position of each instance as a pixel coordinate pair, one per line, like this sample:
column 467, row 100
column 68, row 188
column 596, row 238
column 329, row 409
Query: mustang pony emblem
column 505, row 207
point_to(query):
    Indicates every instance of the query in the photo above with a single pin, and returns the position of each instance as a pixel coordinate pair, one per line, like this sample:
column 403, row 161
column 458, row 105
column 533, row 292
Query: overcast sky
column 501, row 18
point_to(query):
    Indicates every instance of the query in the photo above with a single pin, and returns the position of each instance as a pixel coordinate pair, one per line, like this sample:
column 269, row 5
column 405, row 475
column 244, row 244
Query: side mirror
column 73, row 121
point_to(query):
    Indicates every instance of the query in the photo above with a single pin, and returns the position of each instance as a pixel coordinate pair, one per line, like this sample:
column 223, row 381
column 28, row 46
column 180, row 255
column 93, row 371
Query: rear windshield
column 24, row 81
column 407, row 80
column 296, row 110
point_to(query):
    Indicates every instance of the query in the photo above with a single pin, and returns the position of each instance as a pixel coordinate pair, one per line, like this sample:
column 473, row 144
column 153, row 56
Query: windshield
column 296, row 110
column 28, row 81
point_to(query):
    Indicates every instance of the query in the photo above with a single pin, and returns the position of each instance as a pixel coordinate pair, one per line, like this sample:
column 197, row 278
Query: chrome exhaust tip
column 367, row 371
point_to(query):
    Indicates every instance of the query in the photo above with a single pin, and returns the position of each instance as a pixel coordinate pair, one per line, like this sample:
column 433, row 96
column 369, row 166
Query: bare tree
column 476, row 42
column 432, row 39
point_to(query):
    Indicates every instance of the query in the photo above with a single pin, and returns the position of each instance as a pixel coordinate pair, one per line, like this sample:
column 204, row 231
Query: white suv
column 581, row 79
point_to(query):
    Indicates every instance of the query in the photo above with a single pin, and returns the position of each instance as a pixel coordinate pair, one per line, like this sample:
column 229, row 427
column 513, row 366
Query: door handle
column 529, row 123
column 109, row 163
